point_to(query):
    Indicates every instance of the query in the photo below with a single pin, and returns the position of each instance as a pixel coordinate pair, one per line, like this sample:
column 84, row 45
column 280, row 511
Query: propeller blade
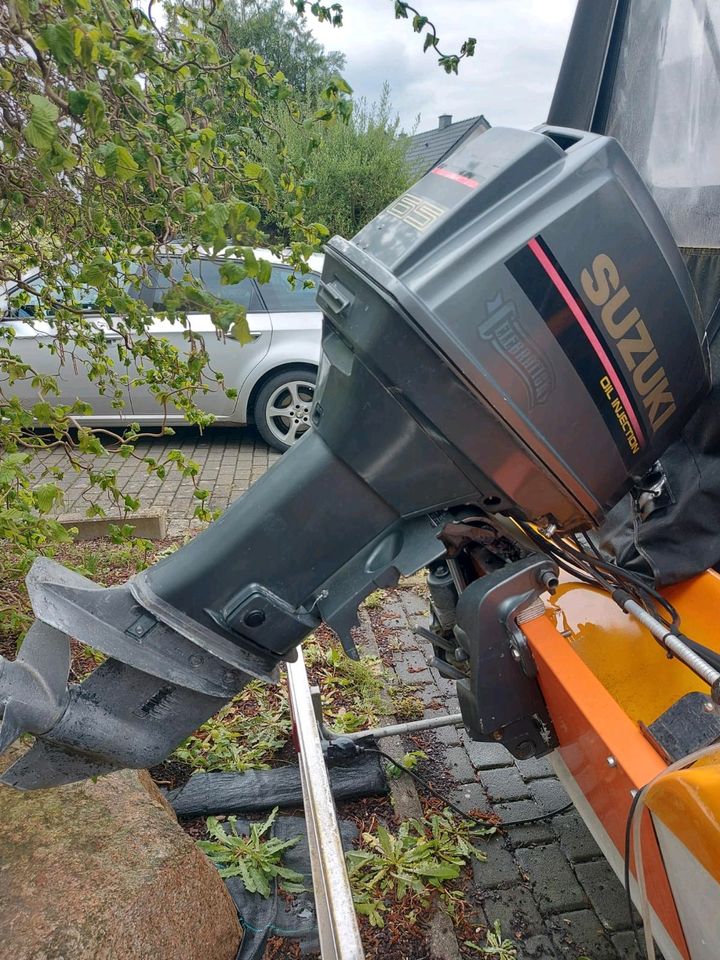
column 12, row 725
column 46, row 766
column 47, row 651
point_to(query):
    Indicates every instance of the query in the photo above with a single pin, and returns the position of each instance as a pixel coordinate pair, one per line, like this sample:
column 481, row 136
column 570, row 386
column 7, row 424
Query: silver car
column 274, row 375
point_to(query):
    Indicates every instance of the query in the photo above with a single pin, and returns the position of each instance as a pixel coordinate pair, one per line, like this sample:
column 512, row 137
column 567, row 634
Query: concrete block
column 535, row 767
column 526, row 834
column 554, row 884
column 516, row 910
column 504, row 783
column 150, row 524
column 575, row 839
column 458, row 763
column 500, row 869
column 606, row 894
column 485, row 756
column 580, row 933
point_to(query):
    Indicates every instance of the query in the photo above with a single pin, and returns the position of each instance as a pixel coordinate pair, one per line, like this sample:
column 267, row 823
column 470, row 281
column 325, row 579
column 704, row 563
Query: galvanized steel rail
column 336, row 917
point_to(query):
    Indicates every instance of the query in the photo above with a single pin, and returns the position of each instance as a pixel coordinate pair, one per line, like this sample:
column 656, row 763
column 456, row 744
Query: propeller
column 154, row 689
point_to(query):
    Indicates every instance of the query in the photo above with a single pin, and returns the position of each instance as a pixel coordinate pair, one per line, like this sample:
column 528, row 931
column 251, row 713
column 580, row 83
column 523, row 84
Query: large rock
column 103, row 871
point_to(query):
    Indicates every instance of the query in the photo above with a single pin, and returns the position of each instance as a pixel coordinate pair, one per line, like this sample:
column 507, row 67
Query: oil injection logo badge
column 503, row 329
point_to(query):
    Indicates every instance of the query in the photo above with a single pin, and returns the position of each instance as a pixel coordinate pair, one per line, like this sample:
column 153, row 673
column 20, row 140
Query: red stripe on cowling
column 579, row 315
column 457, row 177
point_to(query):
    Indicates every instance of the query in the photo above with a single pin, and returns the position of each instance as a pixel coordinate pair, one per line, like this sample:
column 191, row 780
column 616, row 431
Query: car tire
column 291, row 391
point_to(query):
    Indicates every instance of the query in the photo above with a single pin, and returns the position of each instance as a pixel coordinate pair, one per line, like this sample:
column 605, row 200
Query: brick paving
column 547, row 883
column 229, row 458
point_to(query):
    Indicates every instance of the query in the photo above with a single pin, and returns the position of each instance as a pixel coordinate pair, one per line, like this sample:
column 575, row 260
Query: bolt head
column 254, row 618
column 611, row 762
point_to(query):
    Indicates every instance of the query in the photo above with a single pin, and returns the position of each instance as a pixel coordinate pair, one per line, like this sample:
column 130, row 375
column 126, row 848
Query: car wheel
column 282, row 407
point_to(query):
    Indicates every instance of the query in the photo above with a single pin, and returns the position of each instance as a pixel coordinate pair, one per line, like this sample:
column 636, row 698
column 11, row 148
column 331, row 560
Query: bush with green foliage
column 355, row 169
column 112, row 145
column 115, row 141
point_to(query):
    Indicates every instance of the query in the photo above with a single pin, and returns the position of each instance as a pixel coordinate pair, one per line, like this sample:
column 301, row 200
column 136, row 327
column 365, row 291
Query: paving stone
column 535, row 768
column 485, row 756
column 606, row 894
column 448, row 688
column 516, row 910
column 413, row 603
column 470, row 796
column 458, row 763
column 575, row 839
column 536, row 948
column 580, row 933
column 411, row 666
column 475, row 916
column 449, row 735
column 427, row 692
column 549, row 793
column 434, row 708
column 406, row 640
column 504, row 783
column 626, row 946
column 226, row 457
column 526, row 834
column 500, row 869
column 393, row 614
column 554, row 884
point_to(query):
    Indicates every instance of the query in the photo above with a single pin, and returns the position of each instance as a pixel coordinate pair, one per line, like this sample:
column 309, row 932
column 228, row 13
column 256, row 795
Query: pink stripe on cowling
column 457, row 177
column 577, row 312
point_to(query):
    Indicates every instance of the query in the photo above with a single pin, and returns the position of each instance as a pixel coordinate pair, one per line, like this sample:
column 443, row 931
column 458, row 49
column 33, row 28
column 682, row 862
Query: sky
column 510, row 79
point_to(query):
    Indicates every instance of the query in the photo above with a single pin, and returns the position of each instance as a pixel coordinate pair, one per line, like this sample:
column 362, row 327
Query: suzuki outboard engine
column 516, row 336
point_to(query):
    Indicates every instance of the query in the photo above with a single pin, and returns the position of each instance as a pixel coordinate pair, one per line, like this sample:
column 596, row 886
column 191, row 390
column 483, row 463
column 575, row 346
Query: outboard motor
column 514, row 338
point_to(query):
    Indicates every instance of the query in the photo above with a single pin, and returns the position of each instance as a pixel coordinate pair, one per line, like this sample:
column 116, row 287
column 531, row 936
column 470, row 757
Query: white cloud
column 510, row 79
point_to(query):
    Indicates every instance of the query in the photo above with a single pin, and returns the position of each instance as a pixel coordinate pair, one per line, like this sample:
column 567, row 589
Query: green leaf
column 254, row 171
column 78, row 101
column 41, row 130
column 88, row 105
column 264, row 271
column 59, row 40
column 176, row 122
column 126, row 166
column 46, row 496
column 232, row 271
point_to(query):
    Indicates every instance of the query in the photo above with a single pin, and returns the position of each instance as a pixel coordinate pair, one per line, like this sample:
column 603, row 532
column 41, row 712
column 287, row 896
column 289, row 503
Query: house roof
column 426, row 149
